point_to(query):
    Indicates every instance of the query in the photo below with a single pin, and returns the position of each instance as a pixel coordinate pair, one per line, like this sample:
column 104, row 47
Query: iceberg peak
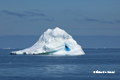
column 55, row 42
column 57, row 29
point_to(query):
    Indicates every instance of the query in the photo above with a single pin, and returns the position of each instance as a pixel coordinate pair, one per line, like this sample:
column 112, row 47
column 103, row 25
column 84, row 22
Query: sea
column 45, row 67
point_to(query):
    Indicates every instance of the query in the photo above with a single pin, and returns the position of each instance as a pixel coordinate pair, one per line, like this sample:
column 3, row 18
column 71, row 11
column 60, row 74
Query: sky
column 77, row 17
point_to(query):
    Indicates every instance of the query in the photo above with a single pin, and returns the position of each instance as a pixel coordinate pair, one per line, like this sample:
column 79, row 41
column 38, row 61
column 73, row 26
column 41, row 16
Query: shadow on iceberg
column 53, row 42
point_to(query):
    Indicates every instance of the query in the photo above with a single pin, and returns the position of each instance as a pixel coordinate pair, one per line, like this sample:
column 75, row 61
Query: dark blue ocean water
column 37, row 67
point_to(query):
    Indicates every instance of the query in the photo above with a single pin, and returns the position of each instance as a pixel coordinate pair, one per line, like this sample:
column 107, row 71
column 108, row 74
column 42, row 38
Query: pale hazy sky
column 77, row 17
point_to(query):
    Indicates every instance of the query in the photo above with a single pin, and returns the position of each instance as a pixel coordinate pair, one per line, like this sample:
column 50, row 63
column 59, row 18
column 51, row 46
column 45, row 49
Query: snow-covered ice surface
column 54, row 42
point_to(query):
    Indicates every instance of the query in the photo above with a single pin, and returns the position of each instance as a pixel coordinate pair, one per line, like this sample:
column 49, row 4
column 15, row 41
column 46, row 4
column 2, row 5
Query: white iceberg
column 54, row 42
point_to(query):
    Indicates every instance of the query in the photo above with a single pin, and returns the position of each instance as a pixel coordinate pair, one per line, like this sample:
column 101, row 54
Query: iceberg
column 53, row 42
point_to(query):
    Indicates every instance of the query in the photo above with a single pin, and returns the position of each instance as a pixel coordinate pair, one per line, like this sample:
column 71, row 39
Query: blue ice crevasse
column 66, row 47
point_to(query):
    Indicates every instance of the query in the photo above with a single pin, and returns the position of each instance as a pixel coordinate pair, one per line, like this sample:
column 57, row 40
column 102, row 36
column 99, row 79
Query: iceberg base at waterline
column 53, row 42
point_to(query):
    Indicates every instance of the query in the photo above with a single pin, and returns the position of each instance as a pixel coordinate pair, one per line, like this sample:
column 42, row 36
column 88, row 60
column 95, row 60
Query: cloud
column 96, row 20
column 31, row 15
column 108, row 22
column 118, row 21
column 99, row 21
column 35, row 19
column 14, row 13
column 43, row 19
column 47, row 19
column 23, row 14
column 34, row 13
